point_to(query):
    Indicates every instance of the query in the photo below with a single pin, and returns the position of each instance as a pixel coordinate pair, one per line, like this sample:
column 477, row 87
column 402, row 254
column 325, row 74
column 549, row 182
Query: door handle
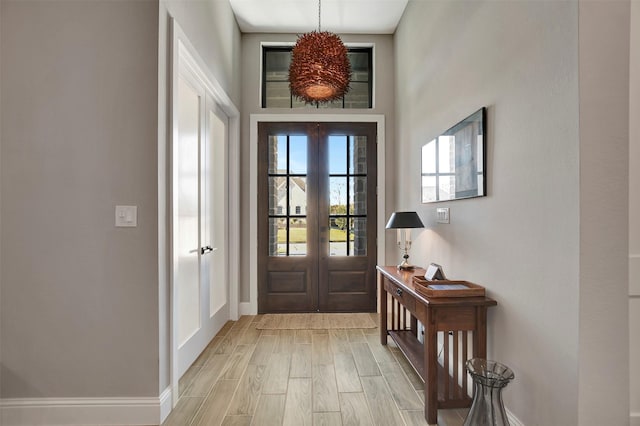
column 203, row 250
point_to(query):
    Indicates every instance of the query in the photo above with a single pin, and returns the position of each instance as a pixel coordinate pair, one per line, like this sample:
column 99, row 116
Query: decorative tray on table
column 446, row 288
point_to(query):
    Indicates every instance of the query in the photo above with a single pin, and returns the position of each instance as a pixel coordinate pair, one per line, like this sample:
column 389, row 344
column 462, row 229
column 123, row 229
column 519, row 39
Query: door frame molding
column 251, row 307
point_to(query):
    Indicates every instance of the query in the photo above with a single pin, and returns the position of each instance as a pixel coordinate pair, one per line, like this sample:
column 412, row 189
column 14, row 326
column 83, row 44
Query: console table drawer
column 405, row 298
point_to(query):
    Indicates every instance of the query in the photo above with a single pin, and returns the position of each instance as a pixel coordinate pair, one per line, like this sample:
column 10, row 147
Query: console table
column 460, row 323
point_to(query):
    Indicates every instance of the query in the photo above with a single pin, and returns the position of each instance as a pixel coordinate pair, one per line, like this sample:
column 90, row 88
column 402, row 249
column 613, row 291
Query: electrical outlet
column 126, row 216
column 442, row 215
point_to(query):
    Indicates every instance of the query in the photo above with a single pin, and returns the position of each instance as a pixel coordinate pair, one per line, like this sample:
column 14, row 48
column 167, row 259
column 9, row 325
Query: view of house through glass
column 348, row 196
column 347, row 184
column 288, row 195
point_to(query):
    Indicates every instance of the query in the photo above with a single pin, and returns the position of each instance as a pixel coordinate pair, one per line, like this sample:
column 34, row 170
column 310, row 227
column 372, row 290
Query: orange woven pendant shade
column 320, row 70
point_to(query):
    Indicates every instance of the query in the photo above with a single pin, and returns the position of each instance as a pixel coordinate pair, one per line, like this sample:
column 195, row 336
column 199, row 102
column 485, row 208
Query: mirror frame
column 466, row 171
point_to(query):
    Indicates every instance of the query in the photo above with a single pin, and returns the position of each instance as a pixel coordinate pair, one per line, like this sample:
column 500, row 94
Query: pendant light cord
column 319, row 15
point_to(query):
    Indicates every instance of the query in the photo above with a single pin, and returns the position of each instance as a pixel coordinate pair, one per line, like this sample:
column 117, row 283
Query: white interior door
column 203, row 248
column 200, row 219
column 186, row 241
column 215, row 195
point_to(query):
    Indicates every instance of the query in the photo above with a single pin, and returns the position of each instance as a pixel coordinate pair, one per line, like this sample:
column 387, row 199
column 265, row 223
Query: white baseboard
column 165, row 404
column 85, row 411
column 634, row 419
column 245, row 308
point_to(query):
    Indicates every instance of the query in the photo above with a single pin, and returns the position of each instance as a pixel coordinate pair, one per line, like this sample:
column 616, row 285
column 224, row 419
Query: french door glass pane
column 277, row 237
column 296, row 234
column 347, row 194
column 358, row 195
column 337, row 155
column 358, row 236
column 338, row 195
column 277, row 195
column 288, row 195
column 277, row 154
column 298, row 155
column 297, row 196
column 358, row 155
column 338, row 239
column 297, row 237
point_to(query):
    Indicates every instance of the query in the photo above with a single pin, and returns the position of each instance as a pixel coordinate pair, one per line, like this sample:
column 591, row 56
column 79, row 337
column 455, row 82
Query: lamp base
column 406, row 266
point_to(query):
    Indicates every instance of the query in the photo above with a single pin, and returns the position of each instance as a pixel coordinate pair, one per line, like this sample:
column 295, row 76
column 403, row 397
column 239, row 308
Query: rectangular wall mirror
column 453, row 164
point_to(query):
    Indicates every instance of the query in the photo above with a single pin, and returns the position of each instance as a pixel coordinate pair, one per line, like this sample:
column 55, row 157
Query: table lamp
column 404, row 221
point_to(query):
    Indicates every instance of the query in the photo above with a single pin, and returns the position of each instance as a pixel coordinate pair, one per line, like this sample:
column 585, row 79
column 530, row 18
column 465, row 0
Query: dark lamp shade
column 403, row 220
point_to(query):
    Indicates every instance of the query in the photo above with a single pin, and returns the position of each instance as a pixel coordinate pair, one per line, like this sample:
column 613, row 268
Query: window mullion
column 348, row 193
column 288, row 201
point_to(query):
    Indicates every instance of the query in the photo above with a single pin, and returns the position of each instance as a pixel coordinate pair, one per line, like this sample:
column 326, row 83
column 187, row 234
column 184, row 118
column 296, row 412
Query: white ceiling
column 301, row 16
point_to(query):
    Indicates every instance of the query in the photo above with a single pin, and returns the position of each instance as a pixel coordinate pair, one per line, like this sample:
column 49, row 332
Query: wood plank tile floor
column 247, row 376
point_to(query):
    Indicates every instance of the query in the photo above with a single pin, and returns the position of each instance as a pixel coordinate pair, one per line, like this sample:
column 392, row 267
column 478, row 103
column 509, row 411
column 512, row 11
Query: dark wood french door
column 316, row 217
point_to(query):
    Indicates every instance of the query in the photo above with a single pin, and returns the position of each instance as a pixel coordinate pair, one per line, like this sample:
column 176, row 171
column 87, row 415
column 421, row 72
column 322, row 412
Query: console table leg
column 431, row 373
column 383, row 309
column 480, row 333
column 414, row 325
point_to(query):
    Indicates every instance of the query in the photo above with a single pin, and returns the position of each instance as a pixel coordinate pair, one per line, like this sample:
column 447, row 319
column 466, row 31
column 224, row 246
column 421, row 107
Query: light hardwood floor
column 248, row 376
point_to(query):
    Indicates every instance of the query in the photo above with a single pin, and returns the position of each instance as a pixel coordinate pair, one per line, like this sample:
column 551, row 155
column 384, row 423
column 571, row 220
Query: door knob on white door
column 203, row 250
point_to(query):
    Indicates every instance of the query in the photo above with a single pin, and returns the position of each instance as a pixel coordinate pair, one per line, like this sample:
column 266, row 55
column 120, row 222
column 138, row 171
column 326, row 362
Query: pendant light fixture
column 320, row 70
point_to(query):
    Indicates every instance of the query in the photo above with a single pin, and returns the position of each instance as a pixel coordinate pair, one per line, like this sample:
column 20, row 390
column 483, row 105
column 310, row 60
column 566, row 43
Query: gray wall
column 79, row 135
column 634, row 213
column 85, row 307
column 251, row 79
column 0, row 195
column 526, row 241
column 604, row 232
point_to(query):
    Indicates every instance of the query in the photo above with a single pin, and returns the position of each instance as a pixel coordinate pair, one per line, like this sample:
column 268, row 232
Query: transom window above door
column 275, row 80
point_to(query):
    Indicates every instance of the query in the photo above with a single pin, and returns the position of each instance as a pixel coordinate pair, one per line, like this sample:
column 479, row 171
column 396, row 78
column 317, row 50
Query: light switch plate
column 442, row 215
column 126, row 216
